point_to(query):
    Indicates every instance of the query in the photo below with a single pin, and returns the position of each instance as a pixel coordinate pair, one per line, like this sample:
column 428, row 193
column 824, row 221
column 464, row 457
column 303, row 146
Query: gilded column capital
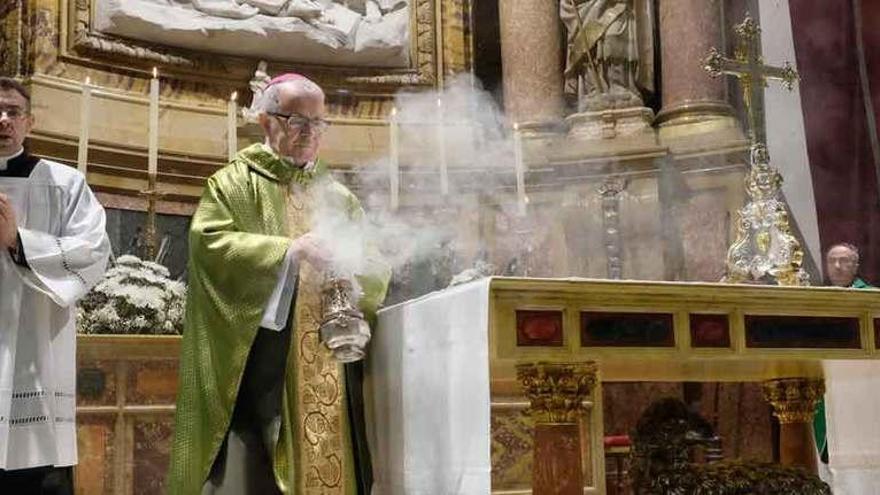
column 794, row 399
column 556, row 390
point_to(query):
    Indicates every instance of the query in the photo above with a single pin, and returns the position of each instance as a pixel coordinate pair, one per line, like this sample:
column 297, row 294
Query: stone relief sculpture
column 326, row 32
column 371, row 10
column 609, row 61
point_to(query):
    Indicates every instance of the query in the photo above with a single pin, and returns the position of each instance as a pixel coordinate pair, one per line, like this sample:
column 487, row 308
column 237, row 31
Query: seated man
column 842, row 266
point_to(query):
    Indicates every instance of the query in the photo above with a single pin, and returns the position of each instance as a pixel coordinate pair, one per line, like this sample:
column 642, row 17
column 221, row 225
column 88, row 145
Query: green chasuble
column 248, row 215
column 820, row 428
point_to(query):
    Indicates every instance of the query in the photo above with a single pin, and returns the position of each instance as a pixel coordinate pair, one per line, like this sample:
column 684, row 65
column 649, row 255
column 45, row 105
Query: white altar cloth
column 852, row 408
column 427, row 394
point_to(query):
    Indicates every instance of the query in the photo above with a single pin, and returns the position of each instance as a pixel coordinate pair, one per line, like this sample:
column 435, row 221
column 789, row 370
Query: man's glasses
column 297, row 123
column 12, row 113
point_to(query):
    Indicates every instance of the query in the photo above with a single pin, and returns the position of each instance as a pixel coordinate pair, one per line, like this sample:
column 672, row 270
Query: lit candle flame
column 155, row 72
column 516, row 126
column 439, row 102
column 234, row 96
column 393, row 111
column 88, row 80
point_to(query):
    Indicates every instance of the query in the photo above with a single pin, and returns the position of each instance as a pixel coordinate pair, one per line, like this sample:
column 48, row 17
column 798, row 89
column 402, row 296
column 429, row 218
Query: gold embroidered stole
column 319, row 434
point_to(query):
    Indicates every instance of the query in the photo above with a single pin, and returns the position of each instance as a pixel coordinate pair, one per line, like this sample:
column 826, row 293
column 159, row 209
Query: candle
column 441, row 143
column 84, row 122
column 394, row 160
column 153, row 142
column 521, row 199
column 232, row 125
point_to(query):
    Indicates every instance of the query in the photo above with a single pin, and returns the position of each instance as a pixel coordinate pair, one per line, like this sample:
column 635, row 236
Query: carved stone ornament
column 86, row 39
column 610, row 192
column 794, row 399
column 557, row 390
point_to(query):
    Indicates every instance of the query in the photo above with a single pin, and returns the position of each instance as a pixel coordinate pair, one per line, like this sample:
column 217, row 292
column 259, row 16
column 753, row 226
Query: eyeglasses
column 12, row 113
column 296, row 122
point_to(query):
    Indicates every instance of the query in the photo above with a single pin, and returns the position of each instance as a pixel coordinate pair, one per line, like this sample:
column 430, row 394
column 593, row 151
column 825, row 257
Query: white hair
column 269, row 101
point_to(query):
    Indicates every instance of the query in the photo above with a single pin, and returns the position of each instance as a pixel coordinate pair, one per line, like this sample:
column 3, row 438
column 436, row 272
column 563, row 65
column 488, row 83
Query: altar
column 446, row 407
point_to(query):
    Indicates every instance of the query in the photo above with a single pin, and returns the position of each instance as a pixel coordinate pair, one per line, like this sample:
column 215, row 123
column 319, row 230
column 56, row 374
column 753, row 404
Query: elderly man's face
column 15, row 121
column 841, row 265
column 295, row 130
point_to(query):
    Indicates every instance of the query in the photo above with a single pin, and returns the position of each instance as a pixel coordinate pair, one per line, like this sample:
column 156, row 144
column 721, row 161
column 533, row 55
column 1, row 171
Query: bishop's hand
column 310, row 248
column 8, row 224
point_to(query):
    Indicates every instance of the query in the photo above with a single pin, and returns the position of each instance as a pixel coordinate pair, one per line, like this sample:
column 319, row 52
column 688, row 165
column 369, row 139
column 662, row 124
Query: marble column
column 556, row 392
column 531, row 53
column 794, row 403
column 688, row 29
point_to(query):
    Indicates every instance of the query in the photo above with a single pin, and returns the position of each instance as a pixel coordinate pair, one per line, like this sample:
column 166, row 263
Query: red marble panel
column 152, row 451
column 96, row 445
column 557, row 462
column 152, row 382
column 709, row 330
column 539, row 328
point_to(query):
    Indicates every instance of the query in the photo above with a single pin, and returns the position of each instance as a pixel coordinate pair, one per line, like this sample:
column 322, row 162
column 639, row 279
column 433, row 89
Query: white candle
column 520, row 171
column 153, row 142
column 82, row 157
column 441, row 143
column 232, row 125
column 394, row 160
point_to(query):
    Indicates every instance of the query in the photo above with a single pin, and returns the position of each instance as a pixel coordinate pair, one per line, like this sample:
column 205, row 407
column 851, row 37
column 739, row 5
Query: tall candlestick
column 441, row 143
column 520, row 171
column 394, row 160
column 232, row 126
column 153, row 142
column 82, row 157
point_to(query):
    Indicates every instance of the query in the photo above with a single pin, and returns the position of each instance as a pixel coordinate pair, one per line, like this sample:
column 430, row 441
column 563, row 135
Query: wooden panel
column 96, row 438
column 151, row 453
column 152, row 382
column 125, row 413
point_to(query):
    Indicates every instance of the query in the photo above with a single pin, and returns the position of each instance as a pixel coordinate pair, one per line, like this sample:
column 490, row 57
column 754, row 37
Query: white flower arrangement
column 135, row 297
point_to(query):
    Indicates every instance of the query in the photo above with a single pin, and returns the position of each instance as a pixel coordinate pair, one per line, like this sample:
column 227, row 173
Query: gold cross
column 748, row 66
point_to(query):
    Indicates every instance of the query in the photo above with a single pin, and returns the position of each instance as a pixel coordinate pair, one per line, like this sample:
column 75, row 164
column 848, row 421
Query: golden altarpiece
column 620, row 184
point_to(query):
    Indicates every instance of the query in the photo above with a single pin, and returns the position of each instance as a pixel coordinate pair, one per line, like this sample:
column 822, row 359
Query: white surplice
column 62, row 229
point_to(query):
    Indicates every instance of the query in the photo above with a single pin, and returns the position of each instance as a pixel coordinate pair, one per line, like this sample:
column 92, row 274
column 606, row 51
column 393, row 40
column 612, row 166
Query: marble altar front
column 443, row 382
